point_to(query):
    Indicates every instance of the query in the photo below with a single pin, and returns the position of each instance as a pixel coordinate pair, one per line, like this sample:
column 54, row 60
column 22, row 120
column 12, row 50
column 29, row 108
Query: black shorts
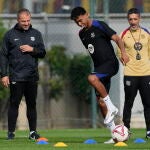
column 105, row 71
column 110, row 68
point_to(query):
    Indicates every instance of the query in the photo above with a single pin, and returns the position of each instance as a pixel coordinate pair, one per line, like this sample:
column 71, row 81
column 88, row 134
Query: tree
column 79, row 69
column 58, row 65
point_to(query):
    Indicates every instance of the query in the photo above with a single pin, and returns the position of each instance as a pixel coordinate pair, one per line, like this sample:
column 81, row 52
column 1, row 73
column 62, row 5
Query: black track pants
column 133, row 84
column 17, row 91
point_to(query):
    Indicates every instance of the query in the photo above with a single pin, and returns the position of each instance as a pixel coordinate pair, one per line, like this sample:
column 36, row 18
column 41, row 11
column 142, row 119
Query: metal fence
column 68, row 111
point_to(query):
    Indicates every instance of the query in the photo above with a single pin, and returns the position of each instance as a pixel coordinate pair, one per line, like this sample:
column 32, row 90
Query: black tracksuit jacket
column 17, row 65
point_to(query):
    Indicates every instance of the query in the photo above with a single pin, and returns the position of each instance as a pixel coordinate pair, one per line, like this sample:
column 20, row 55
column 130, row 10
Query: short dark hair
column 76, row 12
column 133, row 11
column 23, row 10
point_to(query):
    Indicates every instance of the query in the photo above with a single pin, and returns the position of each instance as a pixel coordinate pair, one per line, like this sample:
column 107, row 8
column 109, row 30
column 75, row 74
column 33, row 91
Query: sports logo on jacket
column 90, row 48
column 16, row 39
column 32, row 38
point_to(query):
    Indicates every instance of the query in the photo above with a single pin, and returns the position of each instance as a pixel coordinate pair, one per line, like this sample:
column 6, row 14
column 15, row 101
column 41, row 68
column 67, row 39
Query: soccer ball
column 120, row 133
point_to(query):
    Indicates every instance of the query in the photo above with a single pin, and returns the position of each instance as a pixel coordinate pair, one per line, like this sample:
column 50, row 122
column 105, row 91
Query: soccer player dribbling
column 96, row 36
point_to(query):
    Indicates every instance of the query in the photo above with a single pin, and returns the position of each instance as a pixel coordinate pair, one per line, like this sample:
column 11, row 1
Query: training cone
column 42, row 142
column 139, row 140
column 42, row 139
column 90, row 141
column 120, row 144
column 60, row 144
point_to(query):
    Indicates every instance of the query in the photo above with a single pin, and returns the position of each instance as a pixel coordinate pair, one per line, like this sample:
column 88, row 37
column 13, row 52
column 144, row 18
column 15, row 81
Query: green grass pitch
column 74, row 138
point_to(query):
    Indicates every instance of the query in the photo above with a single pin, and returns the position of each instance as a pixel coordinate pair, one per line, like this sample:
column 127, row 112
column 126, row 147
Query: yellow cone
column 120, row 144
column 60, row 144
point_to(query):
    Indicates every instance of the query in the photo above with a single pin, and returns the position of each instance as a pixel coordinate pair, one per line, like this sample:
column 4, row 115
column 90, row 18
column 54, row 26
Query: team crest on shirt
column 92, row 35
column 32, row 38
column 90, row 48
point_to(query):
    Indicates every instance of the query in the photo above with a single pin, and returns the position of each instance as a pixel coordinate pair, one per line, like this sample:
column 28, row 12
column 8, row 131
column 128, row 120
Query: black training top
column 22, row 66
column 97, row 40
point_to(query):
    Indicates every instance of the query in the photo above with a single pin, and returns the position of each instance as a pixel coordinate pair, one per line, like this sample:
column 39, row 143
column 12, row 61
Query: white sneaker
column 110, row 115
column 110, row 141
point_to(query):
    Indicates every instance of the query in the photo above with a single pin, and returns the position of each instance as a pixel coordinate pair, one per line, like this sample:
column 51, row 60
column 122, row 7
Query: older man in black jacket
column 21, row 48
